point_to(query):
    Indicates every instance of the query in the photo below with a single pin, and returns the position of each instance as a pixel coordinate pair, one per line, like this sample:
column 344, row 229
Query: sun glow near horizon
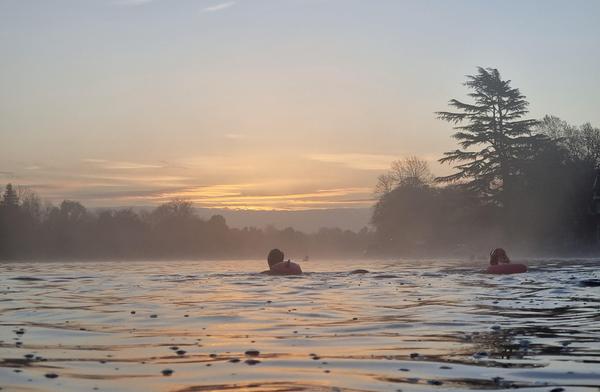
column 276, row 185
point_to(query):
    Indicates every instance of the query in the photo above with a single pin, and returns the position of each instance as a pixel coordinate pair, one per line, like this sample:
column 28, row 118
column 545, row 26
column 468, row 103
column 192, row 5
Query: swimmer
column 497, row 256
column 500, row 264
column 279, row 267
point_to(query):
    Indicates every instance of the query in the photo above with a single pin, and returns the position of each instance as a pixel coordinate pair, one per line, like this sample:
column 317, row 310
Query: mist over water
column 404, row 325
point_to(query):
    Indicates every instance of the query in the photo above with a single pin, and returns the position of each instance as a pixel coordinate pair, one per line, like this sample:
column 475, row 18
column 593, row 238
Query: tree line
column 31, row 230
column 532, row 186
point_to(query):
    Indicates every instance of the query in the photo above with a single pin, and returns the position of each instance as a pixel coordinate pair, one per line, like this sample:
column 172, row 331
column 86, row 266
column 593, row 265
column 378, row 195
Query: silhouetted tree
column 404, row 217
column 174, row 227
column 68, row 230
column 582, row 143
column 385, row 184
column 407, row 171
column 30, row 204
column 493, row 136
column 10, row 198
column 562, row 179
column 12, row 224
column 122, row 231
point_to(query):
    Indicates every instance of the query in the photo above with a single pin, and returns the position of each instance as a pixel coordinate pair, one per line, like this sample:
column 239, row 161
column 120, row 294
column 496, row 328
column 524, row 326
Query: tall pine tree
column 495, row 140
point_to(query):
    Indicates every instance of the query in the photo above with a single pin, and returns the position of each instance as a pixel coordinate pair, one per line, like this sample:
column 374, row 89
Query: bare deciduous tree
column 408, row 171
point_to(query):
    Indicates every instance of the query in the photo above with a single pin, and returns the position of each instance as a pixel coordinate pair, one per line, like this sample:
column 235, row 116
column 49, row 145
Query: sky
column 264, row 104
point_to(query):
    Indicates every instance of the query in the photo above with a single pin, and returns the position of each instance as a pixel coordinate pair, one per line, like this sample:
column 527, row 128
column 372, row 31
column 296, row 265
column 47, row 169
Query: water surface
column 405, row 325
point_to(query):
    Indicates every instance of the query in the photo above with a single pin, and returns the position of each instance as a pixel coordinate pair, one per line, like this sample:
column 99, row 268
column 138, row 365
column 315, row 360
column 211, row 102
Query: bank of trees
column 31, row 230
column 518, row 182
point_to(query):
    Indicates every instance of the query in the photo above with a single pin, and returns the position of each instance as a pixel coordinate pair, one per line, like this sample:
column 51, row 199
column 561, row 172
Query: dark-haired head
column 275, row 256
column 498, row 255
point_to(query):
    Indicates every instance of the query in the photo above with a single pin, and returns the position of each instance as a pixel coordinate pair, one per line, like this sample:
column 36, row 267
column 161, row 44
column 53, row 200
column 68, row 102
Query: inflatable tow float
column 510, row 268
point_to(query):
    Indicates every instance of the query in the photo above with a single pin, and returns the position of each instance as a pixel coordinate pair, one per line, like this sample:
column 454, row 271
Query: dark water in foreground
column 443, row 326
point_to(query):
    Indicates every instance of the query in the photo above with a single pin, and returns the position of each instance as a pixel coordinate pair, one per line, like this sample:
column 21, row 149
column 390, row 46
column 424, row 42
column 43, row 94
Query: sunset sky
column 264, row 104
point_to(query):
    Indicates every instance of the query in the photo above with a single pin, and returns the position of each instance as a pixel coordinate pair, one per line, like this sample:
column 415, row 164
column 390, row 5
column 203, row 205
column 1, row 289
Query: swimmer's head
column 275, row 256
column 498, row 255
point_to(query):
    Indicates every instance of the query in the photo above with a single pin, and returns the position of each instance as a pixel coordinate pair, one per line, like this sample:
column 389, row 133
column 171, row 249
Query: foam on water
column 187, row 326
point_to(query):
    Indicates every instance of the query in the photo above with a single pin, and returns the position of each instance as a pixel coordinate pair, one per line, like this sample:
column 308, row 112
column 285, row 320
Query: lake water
column 409, row 326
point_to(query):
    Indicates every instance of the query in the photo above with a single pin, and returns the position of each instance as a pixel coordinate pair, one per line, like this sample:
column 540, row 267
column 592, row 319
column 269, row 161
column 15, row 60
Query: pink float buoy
column 506, row 269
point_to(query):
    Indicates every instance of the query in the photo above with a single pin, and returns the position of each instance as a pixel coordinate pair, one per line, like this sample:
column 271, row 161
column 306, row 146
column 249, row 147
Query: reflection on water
column 200, row 326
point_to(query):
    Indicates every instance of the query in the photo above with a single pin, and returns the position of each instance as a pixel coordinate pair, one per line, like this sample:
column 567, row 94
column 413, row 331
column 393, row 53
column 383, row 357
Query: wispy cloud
column 250, row 197
column 119, row 165
column 358, row 161
column 33, row 167
column 219, row 7
column 235, row 136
